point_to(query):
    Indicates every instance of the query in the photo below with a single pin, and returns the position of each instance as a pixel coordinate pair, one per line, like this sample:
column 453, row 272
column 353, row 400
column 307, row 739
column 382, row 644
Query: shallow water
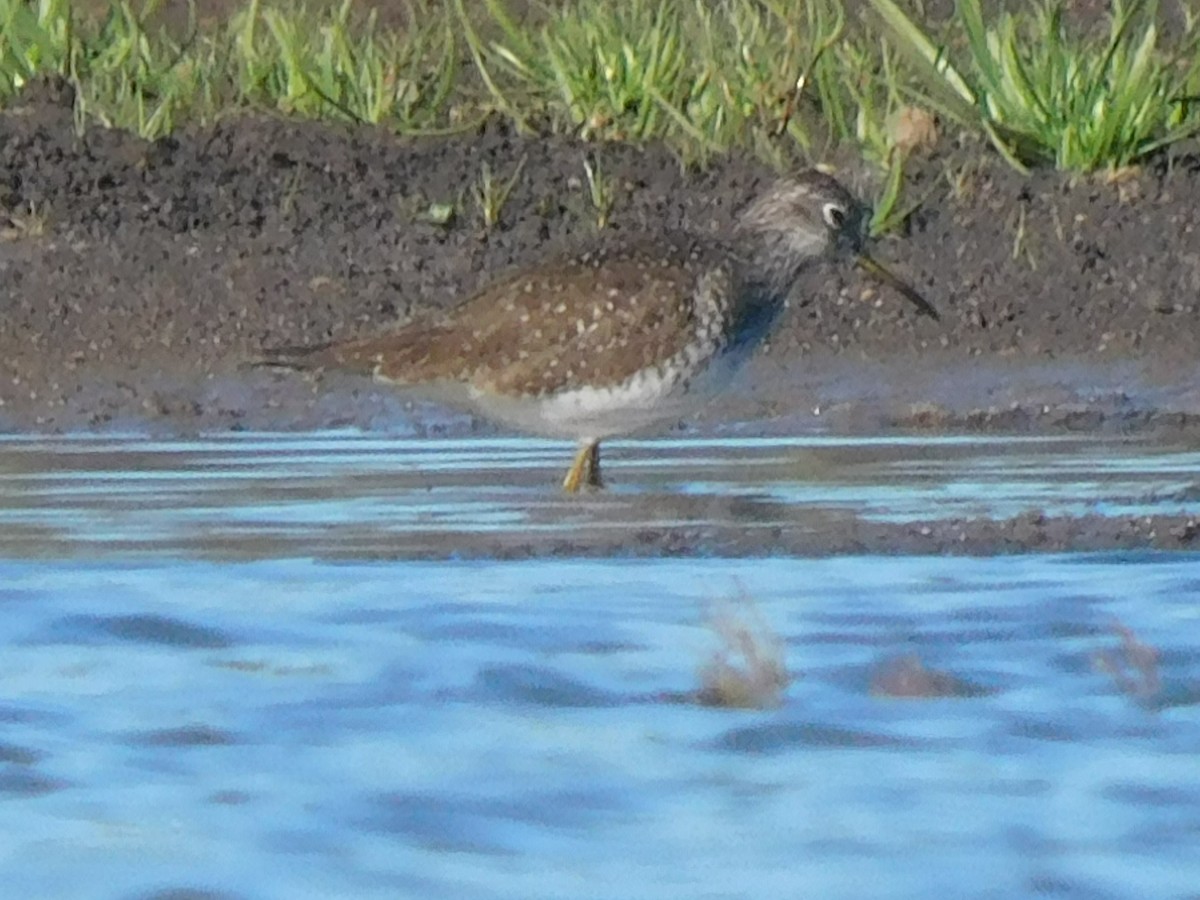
column 208, row 683
column 255, row 496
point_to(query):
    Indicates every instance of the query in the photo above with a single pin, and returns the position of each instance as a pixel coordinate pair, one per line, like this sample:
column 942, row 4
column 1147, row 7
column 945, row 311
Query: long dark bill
column 885, row 275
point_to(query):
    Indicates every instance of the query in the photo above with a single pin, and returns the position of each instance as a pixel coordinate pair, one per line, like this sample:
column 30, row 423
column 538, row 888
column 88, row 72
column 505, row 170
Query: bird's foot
column 584, row 473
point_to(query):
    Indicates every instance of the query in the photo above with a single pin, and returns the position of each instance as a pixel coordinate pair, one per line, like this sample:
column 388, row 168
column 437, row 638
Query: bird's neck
column 771, row 264
column 754, row 313
column 769, row 268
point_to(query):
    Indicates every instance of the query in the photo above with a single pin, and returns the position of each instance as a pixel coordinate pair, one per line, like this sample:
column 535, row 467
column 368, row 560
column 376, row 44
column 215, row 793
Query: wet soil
column 138, row 279
column 849, row 535
column 799, row 532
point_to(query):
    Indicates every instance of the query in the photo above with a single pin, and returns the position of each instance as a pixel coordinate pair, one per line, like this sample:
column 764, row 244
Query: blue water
column 207, row 684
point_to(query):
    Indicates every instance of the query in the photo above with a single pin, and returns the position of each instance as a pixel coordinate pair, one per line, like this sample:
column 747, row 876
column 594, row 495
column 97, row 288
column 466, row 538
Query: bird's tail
column 402, row 357
column 312, row 357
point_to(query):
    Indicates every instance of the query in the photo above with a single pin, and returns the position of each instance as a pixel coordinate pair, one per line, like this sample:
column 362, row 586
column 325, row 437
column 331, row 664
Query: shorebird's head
column 803, row 218
column 807, row 217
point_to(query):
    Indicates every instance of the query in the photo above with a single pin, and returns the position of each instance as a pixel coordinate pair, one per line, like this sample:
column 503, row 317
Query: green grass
column 314, row 64
column 1045, row 95
column 785, row 80
column 321, row 65
column 705, row 77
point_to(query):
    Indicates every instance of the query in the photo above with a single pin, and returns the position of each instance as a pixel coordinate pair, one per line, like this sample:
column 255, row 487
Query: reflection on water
column 303, row 726
column 261, row 496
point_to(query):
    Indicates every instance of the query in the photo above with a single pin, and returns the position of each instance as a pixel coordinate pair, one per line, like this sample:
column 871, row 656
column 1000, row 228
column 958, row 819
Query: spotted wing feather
column 594, row 320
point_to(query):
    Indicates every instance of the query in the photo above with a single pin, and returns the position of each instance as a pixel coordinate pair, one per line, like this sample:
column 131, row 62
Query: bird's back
column 593, row 319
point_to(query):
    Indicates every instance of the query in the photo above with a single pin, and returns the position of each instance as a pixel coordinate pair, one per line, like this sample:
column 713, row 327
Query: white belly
column 590, row 413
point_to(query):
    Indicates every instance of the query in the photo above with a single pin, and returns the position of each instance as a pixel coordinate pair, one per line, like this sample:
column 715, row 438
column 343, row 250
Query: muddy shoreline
column 139, row 279
column 1029, row 532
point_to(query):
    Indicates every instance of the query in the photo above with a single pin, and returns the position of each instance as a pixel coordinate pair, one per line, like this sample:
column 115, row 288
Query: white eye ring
column 835, row 215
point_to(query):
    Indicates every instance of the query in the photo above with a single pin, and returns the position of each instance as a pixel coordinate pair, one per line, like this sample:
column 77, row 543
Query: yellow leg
column 585, row 471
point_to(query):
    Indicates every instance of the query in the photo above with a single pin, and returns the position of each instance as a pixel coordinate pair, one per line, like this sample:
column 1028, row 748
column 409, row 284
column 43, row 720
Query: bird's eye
column 835, row 215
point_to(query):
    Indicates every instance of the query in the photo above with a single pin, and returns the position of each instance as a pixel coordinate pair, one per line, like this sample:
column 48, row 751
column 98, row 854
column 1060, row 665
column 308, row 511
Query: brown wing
column 596, row 319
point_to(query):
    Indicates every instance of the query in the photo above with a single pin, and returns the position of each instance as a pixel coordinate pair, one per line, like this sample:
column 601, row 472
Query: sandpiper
column 616, row 338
